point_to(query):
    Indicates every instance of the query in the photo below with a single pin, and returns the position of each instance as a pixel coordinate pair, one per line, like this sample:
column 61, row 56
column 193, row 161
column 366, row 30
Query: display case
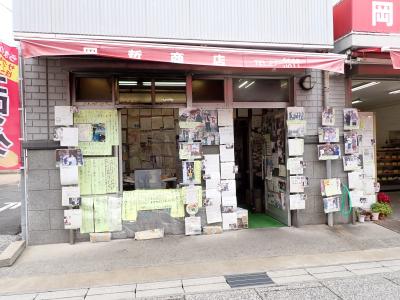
column 388, row 160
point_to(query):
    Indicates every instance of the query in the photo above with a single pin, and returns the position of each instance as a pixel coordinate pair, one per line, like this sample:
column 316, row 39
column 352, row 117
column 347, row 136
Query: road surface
column 10, row 204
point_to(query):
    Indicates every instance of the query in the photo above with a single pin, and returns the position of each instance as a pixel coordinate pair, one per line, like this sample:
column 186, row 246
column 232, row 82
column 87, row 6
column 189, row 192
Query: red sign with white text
column 376, row 16
column 10, row 145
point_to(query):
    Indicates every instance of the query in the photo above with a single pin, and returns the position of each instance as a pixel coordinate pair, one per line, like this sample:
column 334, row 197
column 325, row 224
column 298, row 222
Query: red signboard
column 376, row 16
column 190, row 55
column 10, row 145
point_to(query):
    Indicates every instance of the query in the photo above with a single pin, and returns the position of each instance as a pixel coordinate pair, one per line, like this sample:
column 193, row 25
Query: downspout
column 328, row 163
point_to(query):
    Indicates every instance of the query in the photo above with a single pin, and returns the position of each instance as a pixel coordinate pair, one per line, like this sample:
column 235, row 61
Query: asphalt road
column 10, row 204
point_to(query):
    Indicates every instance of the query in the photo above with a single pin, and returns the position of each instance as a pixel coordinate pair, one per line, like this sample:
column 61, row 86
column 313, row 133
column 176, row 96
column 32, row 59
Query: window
column 170, row 91
column 259, row 90
column 135, row 90
column 93, row 89
column 208, row 90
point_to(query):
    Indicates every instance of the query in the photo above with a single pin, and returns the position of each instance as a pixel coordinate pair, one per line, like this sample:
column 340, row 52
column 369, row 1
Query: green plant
column 382, row 208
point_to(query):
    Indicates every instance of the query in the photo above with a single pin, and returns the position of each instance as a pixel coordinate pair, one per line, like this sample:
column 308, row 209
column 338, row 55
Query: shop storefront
column 127, row 137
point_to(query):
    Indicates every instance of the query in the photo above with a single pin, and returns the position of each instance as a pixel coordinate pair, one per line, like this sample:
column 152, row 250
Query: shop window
column 170, row 91
column 260, row 90
column 135, row 91
column 92, row 89
column 208, row 90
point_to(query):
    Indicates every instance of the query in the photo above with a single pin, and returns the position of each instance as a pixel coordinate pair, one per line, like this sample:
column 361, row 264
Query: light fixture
column 170, row 83
column 363, row 86
column 357, row 101
column 243, row 84
column 123, row 82
column 307, row 82
column 394, row 92
column 250, row 84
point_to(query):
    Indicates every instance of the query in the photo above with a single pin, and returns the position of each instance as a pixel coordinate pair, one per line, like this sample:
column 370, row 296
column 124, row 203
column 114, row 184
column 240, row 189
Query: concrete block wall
column 312, row 101
column 45, row 86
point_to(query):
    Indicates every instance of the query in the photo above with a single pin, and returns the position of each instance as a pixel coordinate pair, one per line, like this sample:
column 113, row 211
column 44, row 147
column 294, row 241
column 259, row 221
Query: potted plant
column 360, row 215
column 382, row 209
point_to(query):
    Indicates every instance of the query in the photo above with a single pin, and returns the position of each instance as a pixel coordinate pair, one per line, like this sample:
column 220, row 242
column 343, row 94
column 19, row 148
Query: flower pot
column 361, row 218
column 368, row 218
column 375, row 216
column 382, row 217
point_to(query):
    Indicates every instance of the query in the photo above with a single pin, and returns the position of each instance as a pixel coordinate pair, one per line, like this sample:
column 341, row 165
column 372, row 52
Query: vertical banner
column 10, row 145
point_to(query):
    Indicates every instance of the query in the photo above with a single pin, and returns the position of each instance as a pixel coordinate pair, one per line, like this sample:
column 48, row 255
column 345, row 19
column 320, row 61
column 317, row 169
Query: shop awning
column 191, row 55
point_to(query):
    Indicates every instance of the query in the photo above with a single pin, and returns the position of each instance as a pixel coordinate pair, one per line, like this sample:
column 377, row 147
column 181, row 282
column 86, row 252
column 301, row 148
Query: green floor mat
column 263, row 221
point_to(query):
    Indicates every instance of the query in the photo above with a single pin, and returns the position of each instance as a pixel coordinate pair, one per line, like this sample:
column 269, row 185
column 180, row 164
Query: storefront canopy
column 191, row 55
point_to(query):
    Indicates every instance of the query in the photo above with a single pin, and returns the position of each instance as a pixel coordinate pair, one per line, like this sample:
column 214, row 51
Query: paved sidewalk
column 10, row 205
column 327, row 282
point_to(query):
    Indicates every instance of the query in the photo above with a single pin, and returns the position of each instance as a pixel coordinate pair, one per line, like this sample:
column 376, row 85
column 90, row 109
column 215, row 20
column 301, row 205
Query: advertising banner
column 10, row 144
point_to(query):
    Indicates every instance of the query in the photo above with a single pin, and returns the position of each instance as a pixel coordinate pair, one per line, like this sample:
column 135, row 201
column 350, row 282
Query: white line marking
column 7, row 206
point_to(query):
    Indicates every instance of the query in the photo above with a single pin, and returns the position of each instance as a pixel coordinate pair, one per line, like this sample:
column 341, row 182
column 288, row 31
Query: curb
column 11, row 253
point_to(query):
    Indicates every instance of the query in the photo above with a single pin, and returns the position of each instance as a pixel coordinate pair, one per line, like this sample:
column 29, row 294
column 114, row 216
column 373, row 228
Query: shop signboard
column 375, row 16
column 10, row 145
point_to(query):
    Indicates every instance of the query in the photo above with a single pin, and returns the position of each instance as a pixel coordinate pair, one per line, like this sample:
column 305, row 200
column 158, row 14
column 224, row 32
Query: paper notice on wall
column 115, row 209
column 228, row 187
column 69, row 175
column 355, row 180
column 69, row 194
column 295, row 165
column 296, row 147
column 227, row 153
column 213, row 214
column 212, row 197
column 297, row 201
column 212, row 183
column 228, row 170
column 369, row 170
column 367, row 139
column 368, row 186
column 193, row 194
column 85, row 132
column 87, row 215
column 229, row 221
column 229, row 200
column 225, row 117
column 331, row 187
column 101, row 212
column 356, row 198
column 211, row 166
column 63, row 116
column 191, row 172
column 226, row 135
column 192, row 225
column 332, row 204
column 69, row 137
column 72, row 219
column 282, row 171
column 297, row 184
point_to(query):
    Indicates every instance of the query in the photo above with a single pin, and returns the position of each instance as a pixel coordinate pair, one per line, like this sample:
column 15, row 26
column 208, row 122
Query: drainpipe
column 328, row 163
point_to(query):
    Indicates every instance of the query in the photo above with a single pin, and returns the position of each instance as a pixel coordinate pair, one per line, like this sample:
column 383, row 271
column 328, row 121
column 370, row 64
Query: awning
column 191, row 55
column 395, row 56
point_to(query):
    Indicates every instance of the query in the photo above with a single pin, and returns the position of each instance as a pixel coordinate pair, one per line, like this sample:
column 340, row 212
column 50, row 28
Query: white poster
column 72, row 219
column 355, row 180
column 227, row 170
column 213, row 214
column 63, row 116
column 192, row 225
column 213, row 197
column 212, row 183
column 69, row 175
column 369, row 186
column 228, row 187
column 297, row 201
column 295, row 165
column 229, row 200
column 114, row 210
column 296, row 147
column 225, row 117
column 70, row 195
column 85, row 132
column 331, row 187
column 227, row 153
column 211, row 163
column 357, row 198
column 191, row 194
column 229, row 221
column 297, row 184
column 226, row 135
column 69, row 137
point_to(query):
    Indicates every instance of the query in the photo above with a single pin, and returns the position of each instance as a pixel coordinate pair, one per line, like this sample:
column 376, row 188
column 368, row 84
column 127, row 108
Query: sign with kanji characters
column 10, row 145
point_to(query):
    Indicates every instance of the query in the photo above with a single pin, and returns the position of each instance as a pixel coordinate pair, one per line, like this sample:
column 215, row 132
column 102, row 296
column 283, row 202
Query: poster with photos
column 191, row 134
column 70, row 196
column 190, row 117
column 297, row 201
column 190, row 150
column 332, row 204
column 69, row 157
column 352, row 162
column 99, row 132
column 298, row 183
column 295, row 165
column 351, row 119
column 192, row 225
column 351, row 142
column 210, row 138
column 328, row 116
column 210, row 120
column 328, row 134
column 328, row 151
column 191, row 172
column 331, row 187
column 72, row 219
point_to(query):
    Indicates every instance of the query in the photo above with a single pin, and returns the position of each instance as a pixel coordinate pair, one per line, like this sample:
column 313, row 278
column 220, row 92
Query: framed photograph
column 328, row 134
column 69, row 157
column 99, row 132
column 351, row 119
column 351, row 142
column 328, row 151
column 352, row 162
column 328, row 116
column 332, row 204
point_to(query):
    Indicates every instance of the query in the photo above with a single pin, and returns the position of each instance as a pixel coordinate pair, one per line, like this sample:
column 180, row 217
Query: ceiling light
column 169, row 83
column 127, row 82
column 363, row 86
column 250, row 84
column 394, row 92
column 243, row 84
column 356, row 101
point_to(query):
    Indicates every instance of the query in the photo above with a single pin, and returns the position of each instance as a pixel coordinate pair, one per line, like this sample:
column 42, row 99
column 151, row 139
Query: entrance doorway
column 260, row 149
column 381, row 100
